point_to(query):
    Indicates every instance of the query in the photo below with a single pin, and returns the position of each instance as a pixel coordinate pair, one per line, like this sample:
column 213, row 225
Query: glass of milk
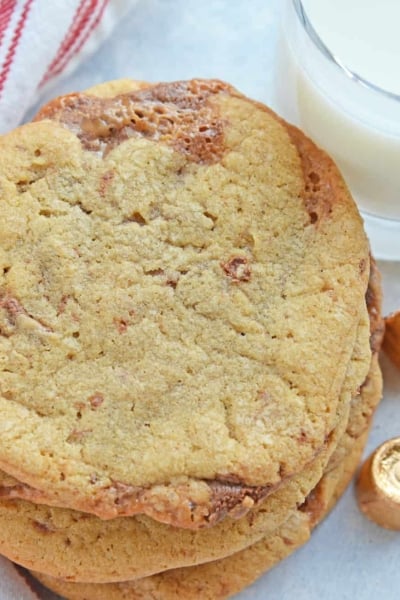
column 338, row 78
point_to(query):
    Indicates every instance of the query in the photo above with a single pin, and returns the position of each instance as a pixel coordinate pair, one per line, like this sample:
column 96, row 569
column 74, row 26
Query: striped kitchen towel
column 41, row 40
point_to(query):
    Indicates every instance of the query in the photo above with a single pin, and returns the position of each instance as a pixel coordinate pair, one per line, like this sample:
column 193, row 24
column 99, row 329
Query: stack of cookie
column 190, row 322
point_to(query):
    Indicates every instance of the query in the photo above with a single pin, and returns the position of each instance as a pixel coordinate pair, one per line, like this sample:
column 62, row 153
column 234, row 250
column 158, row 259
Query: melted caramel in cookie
column 179, row 114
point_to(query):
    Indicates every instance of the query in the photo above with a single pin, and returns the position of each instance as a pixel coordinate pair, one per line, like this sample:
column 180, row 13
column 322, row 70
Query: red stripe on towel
column 5, row 69
column 86, row 10
column 6, row 12
column 69, row 38
column 92, row 27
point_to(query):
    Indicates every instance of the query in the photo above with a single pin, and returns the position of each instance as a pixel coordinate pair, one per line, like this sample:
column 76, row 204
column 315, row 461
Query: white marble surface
column 347, row 557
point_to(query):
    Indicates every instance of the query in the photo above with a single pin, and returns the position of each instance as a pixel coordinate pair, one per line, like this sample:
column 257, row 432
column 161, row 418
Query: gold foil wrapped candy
column 378, row 485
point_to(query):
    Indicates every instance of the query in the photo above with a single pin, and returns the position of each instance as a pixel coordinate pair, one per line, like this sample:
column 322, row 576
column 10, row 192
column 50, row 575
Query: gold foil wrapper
column 378, row 485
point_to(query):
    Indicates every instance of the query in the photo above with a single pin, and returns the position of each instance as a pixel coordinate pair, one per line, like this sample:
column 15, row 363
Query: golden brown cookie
column 222, row 579
column 167, row 256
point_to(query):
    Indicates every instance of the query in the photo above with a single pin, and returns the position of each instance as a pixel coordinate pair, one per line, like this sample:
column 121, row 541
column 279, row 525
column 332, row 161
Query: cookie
column 167, row 255
column 222, row 579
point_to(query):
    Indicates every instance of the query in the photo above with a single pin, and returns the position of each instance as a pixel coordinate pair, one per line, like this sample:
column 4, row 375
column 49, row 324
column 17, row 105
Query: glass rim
column 321, row 46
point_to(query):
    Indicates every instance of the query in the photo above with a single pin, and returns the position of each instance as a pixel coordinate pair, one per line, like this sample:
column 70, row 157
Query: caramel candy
column 378, row 485
column 391, row 340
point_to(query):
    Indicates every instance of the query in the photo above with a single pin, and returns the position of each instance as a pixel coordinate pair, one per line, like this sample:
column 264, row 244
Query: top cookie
column 182, row 280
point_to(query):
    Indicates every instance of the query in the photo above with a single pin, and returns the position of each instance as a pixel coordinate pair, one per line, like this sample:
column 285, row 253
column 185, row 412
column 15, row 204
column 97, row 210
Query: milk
column 359, row 126
column 363, row 34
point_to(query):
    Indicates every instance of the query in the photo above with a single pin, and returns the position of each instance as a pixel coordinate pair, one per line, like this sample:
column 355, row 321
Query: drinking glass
column 353, row 119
